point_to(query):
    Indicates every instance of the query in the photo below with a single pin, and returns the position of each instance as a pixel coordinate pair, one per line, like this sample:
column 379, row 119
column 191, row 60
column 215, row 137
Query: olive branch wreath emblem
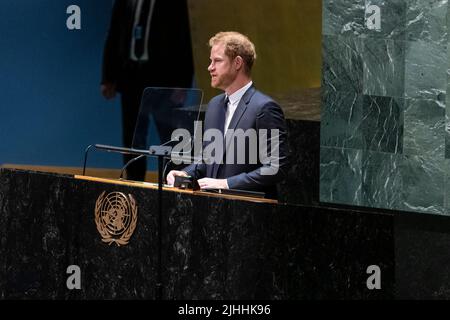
column 116, row 217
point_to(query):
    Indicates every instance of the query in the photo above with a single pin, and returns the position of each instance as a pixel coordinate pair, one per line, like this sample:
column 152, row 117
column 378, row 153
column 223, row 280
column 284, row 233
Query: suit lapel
column 240, row 110
column 221, row 114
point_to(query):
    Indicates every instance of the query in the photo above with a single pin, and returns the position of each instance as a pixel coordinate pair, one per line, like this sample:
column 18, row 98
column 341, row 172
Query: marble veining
column 393, row 19
column 423, row 184
column 341, row 119
column 424, row 132
column 426, row 20
column 382, row 123
column 384, row 67
column 390, row 84
column 340, row 175
column 342, row 63
column 381, row 178
column 425, row 70
column 343, row 17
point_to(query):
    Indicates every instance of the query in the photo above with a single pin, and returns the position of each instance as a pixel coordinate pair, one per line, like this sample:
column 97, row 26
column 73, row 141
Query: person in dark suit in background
column 148, row 45
column 240, row 107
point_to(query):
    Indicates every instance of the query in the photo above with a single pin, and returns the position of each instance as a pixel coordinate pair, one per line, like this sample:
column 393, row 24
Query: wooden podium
column 213, row 246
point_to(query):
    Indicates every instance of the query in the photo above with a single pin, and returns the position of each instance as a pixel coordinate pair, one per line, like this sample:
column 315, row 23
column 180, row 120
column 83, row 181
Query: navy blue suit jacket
column 254, row 111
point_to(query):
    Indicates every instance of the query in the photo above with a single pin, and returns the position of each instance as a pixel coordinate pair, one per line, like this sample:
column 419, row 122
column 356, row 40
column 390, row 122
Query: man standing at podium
column 243, row 107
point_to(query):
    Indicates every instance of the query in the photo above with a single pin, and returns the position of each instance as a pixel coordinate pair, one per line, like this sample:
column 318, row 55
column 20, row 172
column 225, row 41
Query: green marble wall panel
column 341, row 119
column 447, row 108
column 425, row 70
column 393, row 19
column 424, row 128
column 342, row 63
column 447, row 101
column 385, row 130
column 423, row 184
column 426, row 20
column 412, row 183
column 447, row 186
column 384, row 67
column 382, row 123
column 340, row 175
column 381, row 180
column 343, row 17
column 447, row 131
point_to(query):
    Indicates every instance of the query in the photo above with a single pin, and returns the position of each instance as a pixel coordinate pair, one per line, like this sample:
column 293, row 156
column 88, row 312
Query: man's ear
column 238, row 62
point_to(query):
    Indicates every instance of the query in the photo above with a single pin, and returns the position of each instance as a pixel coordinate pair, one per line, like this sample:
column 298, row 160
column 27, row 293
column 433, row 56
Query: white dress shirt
column 234, row 100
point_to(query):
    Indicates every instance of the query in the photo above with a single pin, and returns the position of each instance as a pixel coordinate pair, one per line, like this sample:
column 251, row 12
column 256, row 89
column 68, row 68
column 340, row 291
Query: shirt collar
column 236, row 96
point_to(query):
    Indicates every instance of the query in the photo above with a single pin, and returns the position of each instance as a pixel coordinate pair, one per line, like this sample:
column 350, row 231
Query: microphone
column 165, row 169
column 144, row 153
column 122, row 149
column 112, row 149
column 128, row 163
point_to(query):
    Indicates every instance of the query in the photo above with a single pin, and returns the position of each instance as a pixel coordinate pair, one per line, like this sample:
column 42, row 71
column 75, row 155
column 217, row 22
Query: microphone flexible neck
column 128, row 163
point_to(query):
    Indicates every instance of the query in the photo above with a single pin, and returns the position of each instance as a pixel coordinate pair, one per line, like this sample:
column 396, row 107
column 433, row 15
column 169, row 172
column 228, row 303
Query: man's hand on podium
column 204, row 183
column 210, row 183
column 172, row 174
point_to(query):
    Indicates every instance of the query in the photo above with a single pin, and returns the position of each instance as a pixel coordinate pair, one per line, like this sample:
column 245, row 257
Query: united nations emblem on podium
column 116, row 217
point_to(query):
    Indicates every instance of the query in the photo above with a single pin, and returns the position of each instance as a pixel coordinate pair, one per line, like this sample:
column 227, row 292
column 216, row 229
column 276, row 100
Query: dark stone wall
column 302, row 183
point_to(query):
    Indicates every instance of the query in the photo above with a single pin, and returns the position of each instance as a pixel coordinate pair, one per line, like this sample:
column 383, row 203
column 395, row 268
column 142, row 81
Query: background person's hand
column 108, row 90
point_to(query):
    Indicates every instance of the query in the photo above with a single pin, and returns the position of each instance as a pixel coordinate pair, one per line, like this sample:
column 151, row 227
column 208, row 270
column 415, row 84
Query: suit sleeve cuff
column 234, row 182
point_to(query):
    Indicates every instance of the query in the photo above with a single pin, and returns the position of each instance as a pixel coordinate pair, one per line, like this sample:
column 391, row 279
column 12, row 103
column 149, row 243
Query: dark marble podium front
column 212, row 247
